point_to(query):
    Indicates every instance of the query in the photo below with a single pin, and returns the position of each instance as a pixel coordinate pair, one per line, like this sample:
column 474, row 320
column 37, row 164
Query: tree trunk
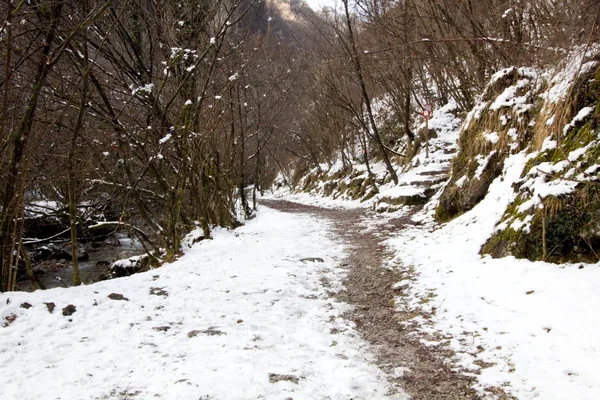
column 14, row 188
column 365, row 95
column 72, row 179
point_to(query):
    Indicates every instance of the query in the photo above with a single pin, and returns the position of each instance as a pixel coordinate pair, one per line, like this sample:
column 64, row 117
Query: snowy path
column 239, row 317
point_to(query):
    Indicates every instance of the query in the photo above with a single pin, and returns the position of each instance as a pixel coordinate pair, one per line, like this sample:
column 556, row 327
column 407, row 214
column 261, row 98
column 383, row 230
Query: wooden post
column 427, row 113
column 544, row 229
column 427, row 136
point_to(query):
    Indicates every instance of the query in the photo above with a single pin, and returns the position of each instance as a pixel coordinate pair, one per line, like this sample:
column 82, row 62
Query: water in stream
column 90, row 270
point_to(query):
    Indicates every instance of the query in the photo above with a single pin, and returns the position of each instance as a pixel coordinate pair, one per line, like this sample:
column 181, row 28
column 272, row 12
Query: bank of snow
column 244, row 316
column 531, row 327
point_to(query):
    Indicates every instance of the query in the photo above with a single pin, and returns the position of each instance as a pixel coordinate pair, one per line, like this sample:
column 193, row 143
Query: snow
column 513, row 133
column 443, row 121
column 549, row 144
column 536, row 323
column 510, row 98
column 128, row 262
column 501, row 74
column 581, row 115
column 577, row 153
column 482, row 163
column 222, row 318
column 145, row 89
column 491, row 137
column 165, row 139
column 397, row 191
column 314, row 199
column 565, row 74
column 475, row 113
column 41, row 207
column 540, row 185
column 522, row 224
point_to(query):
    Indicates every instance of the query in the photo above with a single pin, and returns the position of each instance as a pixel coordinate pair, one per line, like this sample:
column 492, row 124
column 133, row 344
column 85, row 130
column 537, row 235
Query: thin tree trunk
column 72, row 180
column 20, row 139
column 30, row 274
column 365, row 95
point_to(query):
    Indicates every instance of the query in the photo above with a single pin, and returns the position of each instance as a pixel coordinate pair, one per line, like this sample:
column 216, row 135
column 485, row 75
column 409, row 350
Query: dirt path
column 369, row 289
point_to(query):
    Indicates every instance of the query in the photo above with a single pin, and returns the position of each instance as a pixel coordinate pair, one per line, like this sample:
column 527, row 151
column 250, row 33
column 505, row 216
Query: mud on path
column 425, row 375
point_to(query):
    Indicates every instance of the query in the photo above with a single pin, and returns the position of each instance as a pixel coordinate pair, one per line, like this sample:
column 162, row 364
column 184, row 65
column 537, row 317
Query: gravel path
column 413, row 367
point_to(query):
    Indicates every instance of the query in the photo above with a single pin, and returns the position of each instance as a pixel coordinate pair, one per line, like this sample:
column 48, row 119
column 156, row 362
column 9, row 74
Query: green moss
column 342, row 187
column 571, row 229
column 449, row 205
column 369, row 195
column 329, row 187
column 454, row 200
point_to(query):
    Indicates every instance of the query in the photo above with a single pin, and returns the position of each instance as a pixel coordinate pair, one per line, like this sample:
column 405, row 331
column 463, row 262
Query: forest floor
column 422, row 371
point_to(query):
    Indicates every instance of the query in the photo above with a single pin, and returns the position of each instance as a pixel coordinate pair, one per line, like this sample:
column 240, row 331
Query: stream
column 90, row 270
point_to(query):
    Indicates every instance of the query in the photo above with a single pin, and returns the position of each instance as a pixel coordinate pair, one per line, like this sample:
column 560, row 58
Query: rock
column 239, row 321
column 82, row 254
column 103, row 264
column 313, row 259
column 274, row 378
column 55, row 252
column 69, row 310
column 50, row 306
column 117, row 296
column 212, row 331
column 41, row 254
column 26, row 306
column 156, row 291
column 128, row 266
column 9, row 319
column 163, row 328
column 198, row 239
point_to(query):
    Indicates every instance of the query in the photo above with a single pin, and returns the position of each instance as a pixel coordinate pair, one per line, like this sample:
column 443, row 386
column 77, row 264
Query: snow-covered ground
column 533, row 326
column 244, row 316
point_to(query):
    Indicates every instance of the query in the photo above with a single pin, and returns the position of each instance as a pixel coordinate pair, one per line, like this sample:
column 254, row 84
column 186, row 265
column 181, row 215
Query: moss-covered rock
column 556, row 213
column 498, row 126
